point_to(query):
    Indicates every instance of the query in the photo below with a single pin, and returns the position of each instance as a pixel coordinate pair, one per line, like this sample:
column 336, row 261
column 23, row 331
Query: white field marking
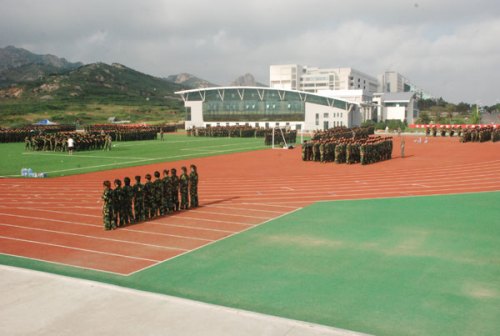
column 347, row 185
column 67, row 265
column 326, row 189
column 166, row 142
column 234, row 208
column 145, row 160
column 420, row 185
column 216, row 241
column 394, row 189
column 459, row 166
column 164, row 234
column 50, row 219
column 349, row 174
column 410, row 196
column 94, row 225
column 78, row 249
column 215, row 221
column 288, row 188
column 95, row 237
column 348, row 179
column 157, row 222
column 213, row 181
column 271, row 205
column 227, row 214
column 76, row 155
column 374, row 194
column 59, row 212
column 218, row 146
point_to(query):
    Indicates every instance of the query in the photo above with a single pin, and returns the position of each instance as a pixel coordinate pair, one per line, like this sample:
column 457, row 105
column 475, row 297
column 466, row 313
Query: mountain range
column 36, row 86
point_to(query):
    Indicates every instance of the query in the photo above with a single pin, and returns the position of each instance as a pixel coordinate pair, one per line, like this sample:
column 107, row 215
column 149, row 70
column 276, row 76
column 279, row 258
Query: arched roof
column 259, row 93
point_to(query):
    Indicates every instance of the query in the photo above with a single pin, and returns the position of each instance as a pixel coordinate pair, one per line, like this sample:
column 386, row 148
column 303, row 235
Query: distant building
column 310, row 79
column 393, row 81
column 396, row 106
column 267, row 107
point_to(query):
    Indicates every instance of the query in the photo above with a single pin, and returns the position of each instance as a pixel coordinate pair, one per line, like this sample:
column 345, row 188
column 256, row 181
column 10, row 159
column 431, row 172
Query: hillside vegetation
column 90, row 94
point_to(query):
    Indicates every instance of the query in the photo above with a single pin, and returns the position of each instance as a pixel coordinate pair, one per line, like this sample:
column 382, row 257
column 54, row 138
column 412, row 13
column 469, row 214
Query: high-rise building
column 310, row 79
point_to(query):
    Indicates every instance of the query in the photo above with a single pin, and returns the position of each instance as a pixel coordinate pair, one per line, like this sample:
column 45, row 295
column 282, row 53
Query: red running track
column 59, row 220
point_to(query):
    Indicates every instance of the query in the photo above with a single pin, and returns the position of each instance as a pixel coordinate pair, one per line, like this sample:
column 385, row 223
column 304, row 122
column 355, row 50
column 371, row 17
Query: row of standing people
column 481, row 134
column 62, row 142
column 20, row 134
column 341, row 132
column 348, row 150
column 137, row 203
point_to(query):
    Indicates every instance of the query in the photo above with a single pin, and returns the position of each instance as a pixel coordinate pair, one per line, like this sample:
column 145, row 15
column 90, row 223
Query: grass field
column 400, row 266
column 124, row 154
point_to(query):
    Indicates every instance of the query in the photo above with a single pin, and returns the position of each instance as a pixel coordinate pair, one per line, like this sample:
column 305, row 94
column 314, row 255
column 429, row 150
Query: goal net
column 279, row 139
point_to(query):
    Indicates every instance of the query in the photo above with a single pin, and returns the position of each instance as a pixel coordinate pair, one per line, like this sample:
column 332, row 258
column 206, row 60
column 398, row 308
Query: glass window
column 325, row 115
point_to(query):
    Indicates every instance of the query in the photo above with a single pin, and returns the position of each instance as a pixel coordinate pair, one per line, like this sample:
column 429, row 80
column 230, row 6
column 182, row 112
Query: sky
column 449, row 48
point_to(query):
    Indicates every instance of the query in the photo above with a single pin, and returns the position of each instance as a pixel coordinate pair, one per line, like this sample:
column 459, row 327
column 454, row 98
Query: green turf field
column 124, row 154
column 401, row 266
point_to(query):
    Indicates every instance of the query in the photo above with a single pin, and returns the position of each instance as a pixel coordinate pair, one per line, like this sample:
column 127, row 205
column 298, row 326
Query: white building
column 309, row 79
column 398, row 105
column 267, row 107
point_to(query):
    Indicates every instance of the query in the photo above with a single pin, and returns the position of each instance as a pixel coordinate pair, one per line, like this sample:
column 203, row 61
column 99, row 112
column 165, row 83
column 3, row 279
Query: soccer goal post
column 279, row 137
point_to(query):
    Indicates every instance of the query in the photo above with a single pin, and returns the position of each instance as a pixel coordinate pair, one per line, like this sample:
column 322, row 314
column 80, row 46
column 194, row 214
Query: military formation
column 347, row 150
column 131, row 132
column 480, row 134
column 280, row 135
column 20, row 134
column 444, row 131
column 347, row 145
column 158, row 196
column 59, row 142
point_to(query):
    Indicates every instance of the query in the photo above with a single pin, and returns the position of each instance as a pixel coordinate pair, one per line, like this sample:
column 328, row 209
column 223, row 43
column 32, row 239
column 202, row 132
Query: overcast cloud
column 450, row 48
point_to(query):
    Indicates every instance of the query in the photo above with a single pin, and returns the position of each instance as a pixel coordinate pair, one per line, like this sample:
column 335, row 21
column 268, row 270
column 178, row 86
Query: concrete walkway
column 36, row 303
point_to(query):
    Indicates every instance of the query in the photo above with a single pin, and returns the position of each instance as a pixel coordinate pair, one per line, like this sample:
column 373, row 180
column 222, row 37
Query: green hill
column 91, row 93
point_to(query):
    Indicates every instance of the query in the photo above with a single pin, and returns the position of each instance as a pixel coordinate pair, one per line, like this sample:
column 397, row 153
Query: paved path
column 35, row 303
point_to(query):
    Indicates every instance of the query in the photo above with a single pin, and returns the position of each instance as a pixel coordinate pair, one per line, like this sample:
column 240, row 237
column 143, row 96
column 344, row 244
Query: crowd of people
column 130, row 204
column 131, row 132
column 280, row 135
column 227, row 131
column 344, row 133
column 20, row 134
column 480, row 134
column 348, row 150
column 68, row 142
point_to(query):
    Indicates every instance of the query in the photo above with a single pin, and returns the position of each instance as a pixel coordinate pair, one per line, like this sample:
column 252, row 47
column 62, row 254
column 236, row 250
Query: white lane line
column 214, row 220
column 94, row 237
column 67, row 265
column 95, row 226
column 77, row 249
column 157, row 222
column 49, row 219
column 239, row 209
column 227, row 214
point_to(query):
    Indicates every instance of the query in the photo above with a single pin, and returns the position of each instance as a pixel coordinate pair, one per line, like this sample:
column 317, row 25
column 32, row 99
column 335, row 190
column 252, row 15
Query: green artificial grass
column 123, row 154
column 400, row 266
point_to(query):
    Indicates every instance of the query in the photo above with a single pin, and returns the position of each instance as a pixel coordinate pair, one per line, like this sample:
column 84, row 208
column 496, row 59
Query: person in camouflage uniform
column 158, row 195
column 138, row 190
column 118, row 215
column 174, row 181
column 193, row 186
column 128, row 197
column 107, row 206
column 184, row 188
column 167, row 192
column 148, row 198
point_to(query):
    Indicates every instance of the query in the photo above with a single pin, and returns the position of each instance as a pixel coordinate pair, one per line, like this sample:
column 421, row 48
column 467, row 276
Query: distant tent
column 45, row 122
